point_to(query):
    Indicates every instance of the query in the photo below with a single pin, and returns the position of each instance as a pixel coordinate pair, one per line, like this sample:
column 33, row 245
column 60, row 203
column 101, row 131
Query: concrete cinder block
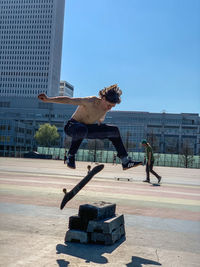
column 106, row 226
column 77, row 223
column 97, row 211
column 108, row 239
column 76, row 236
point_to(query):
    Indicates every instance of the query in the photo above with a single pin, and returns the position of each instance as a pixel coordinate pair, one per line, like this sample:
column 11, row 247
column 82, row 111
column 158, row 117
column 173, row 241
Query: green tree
column 47, row 135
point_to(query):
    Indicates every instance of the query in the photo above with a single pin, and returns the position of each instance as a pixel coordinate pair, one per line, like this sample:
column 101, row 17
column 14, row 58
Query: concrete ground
column 162, row 222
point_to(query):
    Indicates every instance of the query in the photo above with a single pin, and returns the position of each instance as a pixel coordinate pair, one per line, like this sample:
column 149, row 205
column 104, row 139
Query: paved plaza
column 162, row 223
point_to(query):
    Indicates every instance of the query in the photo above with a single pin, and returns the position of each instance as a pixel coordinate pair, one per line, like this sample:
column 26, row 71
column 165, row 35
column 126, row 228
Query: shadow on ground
column 88, row 252
column 63, row 263
column 139, row 262
column 154, row 184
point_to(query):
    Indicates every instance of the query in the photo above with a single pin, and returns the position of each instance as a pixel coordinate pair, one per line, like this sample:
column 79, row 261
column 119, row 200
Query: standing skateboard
column 68, row 196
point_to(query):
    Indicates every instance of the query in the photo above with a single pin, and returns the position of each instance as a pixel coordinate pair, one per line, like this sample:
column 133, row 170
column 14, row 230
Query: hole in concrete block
column 99, row 242
column 98, row 230
column 75, row 240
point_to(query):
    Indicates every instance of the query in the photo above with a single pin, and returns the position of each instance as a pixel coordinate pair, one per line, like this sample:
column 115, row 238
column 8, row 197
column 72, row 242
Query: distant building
column 30, row 47
column 166, row 132
column 19, row 122
column 15, row 137
column 66, row 89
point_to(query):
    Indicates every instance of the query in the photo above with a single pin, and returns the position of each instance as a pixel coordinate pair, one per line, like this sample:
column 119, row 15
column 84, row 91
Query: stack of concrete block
column 96, row 223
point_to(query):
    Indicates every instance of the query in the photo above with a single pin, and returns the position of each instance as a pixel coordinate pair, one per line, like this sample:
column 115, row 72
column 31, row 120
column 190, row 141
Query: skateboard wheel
column 64, row 190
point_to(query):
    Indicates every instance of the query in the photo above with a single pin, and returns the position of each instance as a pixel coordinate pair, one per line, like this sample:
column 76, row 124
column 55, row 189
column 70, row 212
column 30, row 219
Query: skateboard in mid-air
column 69, row 195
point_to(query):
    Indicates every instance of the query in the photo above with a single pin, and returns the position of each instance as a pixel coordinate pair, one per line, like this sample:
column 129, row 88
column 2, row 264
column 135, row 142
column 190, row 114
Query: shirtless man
column 86, row 122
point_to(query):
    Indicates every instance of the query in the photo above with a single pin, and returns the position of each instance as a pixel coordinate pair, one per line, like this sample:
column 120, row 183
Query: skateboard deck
column 69, row 195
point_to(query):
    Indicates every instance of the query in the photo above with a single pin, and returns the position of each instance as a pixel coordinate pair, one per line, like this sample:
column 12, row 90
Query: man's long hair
column 112, row 94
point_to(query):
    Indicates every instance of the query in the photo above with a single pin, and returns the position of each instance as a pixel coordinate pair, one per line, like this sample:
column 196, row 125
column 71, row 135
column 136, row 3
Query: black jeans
column 78, row 131
column 150, row 169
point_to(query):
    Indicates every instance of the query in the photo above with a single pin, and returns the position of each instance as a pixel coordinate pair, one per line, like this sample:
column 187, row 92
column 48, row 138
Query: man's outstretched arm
column 64, row 99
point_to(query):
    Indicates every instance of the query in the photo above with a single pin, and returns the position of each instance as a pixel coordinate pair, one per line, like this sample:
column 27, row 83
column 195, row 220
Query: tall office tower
column 66, row 89
column 31, row 33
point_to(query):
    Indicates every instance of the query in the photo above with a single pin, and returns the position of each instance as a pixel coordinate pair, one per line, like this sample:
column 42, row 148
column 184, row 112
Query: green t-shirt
column 149, row 150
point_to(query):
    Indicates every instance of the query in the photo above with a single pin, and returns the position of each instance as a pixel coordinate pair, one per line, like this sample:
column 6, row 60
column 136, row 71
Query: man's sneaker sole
column 135, row 165
column 146, row 181
column 71, row 162
column 71, row 167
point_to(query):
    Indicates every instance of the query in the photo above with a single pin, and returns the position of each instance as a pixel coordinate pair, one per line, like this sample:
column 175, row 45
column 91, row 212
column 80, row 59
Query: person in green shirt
column 149, row 162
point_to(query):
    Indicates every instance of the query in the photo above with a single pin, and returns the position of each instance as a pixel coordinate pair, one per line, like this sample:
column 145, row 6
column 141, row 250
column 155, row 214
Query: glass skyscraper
column 31, row 33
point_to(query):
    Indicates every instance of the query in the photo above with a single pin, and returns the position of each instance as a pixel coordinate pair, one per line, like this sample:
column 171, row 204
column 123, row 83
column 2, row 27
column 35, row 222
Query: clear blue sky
column 151, row 48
